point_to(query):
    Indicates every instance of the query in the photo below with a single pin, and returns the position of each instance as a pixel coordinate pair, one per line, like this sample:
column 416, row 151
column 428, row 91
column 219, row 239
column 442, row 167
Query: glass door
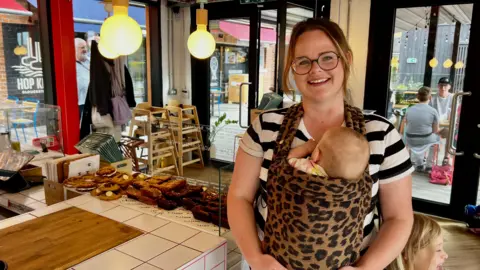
column 431, row 101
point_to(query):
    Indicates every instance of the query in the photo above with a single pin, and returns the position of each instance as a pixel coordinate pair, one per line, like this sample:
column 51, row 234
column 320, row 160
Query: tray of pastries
column 164, row 191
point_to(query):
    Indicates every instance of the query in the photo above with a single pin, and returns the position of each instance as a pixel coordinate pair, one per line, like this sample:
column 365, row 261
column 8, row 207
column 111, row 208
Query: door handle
column 453, row 115
column 240, row 107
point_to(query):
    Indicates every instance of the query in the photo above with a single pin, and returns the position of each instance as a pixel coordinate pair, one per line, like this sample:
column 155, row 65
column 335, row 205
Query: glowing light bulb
column 459, row 65
column 448, row 63
column 433, row 63
column 201, row 43
column 121, row 34
column 105, row 51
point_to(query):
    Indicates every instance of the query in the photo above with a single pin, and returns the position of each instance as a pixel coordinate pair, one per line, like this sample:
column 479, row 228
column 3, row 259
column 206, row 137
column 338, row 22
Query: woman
column 320, row 60
column 424, row 249
column 421, row 130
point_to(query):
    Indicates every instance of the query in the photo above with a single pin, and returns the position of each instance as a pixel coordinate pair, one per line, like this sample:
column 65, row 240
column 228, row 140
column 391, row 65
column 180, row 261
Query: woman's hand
column 266, row 262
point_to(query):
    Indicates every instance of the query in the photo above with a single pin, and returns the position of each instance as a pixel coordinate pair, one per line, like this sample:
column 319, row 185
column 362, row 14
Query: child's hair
column 424, row 232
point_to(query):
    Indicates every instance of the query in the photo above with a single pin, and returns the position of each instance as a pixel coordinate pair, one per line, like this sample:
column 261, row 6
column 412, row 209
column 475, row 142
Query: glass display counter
column 32, row 126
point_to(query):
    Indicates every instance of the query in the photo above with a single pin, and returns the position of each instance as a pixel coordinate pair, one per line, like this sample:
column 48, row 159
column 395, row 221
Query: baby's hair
column 348, row 153
column 424, row 233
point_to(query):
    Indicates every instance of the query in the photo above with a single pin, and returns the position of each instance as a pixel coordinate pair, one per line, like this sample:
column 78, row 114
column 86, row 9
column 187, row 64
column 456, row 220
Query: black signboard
column 23, row 61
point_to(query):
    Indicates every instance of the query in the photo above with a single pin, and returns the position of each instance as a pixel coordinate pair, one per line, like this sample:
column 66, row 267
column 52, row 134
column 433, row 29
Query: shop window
column 88, row 19
column 21, row 72
column 295, row 15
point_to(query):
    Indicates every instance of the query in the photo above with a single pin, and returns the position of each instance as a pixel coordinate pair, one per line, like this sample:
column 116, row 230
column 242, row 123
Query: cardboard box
column 56, row 192
column 124, row 166
column 32, row 173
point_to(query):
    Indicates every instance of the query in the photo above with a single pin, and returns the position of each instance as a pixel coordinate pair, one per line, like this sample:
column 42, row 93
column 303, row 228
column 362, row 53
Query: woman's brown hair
column 334, row 32
column 424, row 233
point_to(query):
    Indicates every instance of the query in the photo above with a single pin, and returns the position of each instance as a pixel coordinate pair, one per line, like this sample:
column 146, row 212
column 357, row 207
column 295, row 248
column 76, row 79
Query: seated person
column 341, row 153
column 424, row 249
column 422, row 126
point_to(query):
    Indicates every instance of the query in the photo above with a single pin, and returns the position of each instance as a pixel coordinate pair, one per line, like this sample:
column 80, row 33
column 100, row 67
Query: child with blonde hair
column 424, row 249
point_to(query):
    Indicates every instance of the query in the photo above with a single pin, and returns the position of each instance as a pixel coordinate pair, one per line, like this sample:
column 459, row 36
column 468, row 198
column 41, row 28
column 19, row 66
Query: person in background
column 83, row 72
column 442, row 102
column 424, row 249
column 421, row 128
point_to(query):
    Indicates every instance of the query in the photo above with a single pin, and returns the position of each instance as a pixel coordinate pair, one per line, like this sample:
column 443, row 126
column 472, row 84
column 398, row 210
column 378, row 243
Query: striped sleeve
column 250, row 142
column 396, row 159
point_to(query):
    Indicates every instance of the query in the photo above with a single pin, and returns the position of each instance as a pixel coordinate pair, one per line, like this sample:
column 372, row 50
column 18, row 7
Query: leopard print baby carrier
column 314, row 222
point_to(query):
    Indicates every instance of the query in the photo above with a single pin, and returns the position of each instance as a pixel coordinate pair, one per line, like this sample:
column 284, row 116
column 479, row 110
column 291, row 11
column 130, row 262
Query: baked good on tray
column 158, row 179
column 106, row 171
column 171, row 185
column 122, row 180
column 139, row 184
column 151, row 192
column 147, row 200
column 166, row 204
column 72, row 182
column 101, row 179
column 200, row 213
column 188, row 191
column 133, row 192
column 110, row 196
column 109, row 187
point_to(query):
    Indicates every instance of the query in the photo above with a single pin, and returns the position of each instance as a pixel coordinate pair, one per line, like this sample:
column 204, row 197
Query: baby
column 341, row 153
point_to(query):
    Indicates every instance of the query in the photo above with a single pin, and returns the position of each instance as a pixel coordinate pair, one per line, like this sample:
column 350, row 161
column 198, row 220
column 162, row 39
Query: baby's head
column 343, row 153
column 424, row 249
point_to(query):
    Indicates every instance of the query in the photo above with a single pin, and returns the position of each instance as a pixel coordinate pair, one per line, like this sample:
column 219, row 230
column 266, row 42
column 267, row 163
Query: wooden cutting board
column 61, row 240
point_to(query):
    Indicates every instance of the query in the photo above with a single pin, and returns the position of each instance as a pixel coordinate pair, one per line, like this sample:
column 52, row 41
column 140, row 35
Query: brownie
column 147, row 200
column 199, row 213
column 166, row 204
column 188, row 203
column 222, row 221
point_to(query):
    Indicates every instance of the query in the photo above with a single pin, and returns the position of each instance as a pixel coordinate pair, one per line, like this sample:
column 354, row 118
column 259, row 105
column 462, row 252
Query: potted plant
column 221, row 123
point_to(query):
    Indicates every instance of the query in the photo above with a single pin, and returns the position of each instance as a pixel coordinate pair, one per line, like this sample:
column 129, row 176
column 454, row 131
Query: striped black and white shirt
column 389, row 159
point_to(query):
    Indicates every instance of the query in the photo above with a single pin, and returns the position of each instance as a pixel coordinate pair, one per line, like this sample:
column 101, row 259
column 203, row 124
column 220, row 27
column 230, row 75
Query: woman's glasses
column 326, row 61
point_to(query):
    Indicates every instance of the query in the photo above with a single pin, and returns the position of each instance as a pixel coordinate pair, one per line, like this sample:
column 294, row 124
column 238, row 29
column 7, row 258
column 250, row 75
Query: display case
column 32, row 126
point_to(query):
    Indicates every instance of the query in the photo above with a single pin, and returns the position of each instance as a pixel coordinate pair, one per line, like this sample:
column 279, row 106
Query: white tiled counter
column 165, row 244
column 24, row 201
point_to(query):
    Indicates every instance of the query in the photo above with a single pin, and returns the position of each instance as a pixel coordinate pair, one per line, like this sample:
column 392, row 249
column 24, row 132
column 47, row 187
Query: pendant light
column 433, row 63
column 106, row 52
column 459, row 65
column 448, row 63
column 120, row 34
column 201, row 43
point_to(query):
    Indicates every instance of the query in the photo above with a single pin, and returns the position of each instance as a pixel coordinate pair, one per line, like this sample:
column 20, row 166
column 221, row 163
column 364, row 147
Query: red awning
column 13, row 6
column 242, row 32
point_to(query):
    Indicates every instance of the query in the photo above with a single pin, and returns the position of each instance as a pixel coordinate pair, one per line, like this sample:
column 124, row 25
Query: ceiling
column 408, row 18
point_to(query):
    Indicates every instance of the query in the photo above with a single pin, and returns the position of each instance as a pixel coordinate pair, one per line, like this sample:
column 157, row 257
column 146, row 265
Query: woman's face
column 318, row 85
column 432, row 257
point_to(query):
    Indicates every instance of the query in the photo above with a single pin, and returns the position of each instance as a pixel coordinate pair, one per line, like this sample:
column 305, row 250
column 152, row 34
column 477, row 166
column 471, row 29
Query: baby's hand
column 303, row 150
